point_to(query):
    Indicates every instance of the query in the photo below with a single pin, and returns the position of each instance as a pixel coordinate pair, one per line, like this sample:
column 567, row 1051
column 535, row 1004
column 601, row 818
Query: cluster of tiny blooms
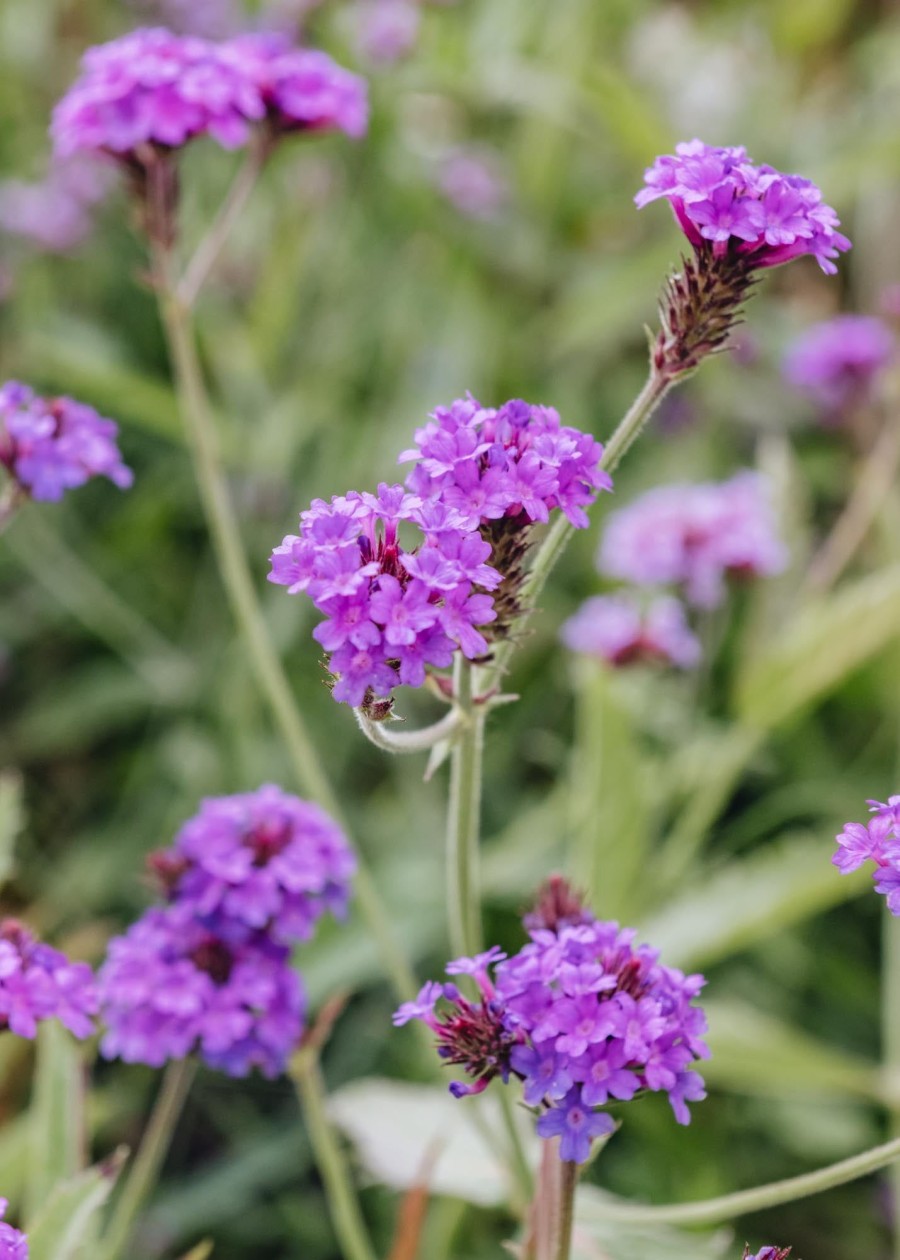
column 154, row 88
column 835, row 363
column 877, row 841
column 694, row 536
column 37, row 983
column 724, row 202
column 582, row 1016
column 260, row 860
column 618, row 630
column 13, row 1243
column 390, row 612
column 50, row 445
column 768, row 1253
column 170, row 988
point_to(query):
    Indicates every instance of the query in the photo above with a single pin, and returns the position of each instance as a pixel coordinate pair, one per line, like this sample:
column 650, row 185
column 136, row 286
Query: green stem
column 714, row 1211
column 11, row 499
column 464, row 816
column 566, row 1217
column 270, row 675
column 890, row 1003
column 343, row 1204
column 149, row 1159
column 383, row 736
column 523, row 1176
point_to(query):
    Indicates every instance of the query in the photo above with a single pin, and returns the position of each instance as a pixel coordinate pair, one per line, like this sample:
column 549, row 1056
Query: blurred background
column 482, row 238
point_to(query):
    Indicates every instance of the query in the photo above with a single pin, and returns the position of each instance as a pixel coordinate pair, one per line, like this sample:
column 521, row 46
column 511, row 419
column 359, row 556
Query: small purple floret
column 38, row 983
column 877, row 841
column 836, row 363
column 616, row 629
column 13, row 1243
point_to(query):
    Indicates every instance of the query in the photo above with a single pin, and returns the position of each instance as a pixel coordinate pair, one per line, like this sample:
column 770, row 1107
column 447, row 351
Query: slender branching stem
column 464, row 815
column 145, row 1168
column 383, row 736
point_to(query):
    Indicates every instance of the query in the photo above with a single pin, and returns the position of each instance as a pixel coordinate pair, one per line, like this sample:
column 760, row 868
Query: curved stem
column 382, row 736
column 343, row 1204
column 149, row 1159
column 464, row 816
column 713, row 1211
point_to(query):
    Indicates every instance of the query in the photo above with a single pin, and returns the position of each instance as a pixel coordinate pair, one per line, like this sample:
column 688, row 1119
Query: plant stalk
column 890, row 1005
column 383, row 736
column 568, row 1180
column 464, row 816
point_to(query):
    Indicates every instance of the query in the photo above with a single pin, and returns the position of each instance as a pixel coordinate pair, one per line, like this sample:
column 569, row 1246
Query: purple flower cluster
column 152, row 88
column 170, row 988
column 210, row 973
column 54, row 213
column 37, row 983
column 877, row 841
column 50, row 445
column 386, row 30
column 768, row 1253
column 259, row 861
column 390, row 612
column 836, row 363
column 472, row 180
column 694, row 536
column 582, row 1016
column 618, row 630
column 13, row 1243
column 725, row 203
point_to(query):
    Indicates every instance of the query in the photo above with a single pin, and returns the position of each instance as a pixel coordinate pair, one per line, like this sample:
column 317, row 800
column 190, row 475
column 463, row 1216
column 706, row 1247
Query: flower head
column 386, row 30
column 13, row 1243
column 615, row 628
column 38, row 983
column 876, row 841
column 54, row 213
column 258, row 861
column 767, row 1253
column 694, row 536
column 50, row 445
column 835, row 363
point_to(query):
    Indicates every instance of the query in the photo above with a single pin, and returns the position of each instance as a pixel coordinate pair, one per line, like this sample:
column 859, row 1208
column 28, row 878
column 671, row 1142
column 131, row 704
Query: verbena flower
column 170, row 988
column 13, row 1243
column 54, row 213
column 50, row 445
column 471, row 179
column 385, row 31
column 582, row 1016
column 694, row 536
column 767, row 1253
column 618, row 630
column 877, row 841
column 260, row 860
column 391, row 611
column 836, row 363
column 38, row 983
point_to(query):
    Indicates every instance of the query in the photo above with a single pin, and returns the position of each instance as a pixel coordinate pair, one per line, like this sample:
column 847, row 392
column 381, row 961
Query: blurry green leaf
column 12, row 818
column 793, row 1061
column 821, row 647
column 66, row 1225
column 398, row 1128
column 598, row 1239
column 518, row 858
column 57, row 1129
column 14, row 1137
column 92, row 703
column 748, row 899
column 201, row 1252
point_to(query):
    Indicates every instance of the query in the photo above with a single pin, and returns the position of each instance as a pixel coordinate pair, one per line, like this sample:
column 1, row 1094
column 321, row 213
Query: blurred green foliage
column 353, row 299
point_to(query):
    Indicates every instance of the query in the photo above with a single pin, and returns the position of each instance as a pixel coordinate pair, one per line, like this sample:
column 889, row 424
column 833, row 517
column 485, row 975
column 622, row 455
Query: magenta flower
column 38, row 983
column 386, row 30
column 767, row 1253
column 616, row 629
column 877, row 841
column 50, row 445
column 13, row 1243
column 836, row 363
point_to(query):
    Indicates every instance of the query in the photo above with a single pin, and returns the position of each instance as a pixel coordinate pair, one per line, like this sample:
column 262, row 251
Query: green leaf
column 824, row 644
column 57, row 1129
column 751, row 898
column 598, row 1239
column 12, row 818
column 399, row 1128
column 65, row 1227
column 201, row 1252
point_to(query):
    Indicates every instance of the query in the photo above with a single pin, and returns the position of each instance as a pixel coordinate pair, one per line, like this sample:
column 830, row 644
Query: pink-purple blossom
column 767, row 1253
column 170, row 988
column 471, row 179
column 386, row 30
column 694, row 536
column 259, row 861
column 54, row 213
column 38, row 983
column 726, row 204
column 582, row 1016
column 13, row 1243
column 836, row 363
column 618, row 630
column 51, row 445
column 878, row 841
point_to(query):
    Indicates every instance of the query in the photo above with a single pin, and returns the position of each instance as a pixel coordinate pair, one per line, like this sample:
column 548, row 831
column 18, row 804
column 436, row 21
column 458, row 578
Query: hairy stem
column 343, row 1204
column 566, row 1218
column 383, row 736
column 151, row 1154
column 464, row 816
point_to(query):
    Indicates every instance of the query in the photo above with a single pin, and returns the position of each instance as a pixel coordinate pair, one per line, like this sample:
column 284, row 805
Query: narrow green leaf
column 12, row 818
column 65, row 1227
column 201, row 1252
column 598, row 1239
column 57, row 1131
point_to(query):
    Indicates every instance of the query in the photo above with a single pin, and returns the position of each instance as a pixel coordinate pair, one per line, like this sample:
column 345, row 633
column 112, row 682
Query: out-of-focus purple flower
column 258, row 861
column 617, row 629
column 836, row 363
column 210, row 19
column 877, row 841
column 154, row 88
column 300, row 89
column 13, row 1243
column 730, row 207
column 694, row 536
column 50, row 445
column 37, row 983
column 54, row 213
column 582, row 1016
column 767, row 1253
column 385, row 31
column 472, row 180
column 170, row 988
